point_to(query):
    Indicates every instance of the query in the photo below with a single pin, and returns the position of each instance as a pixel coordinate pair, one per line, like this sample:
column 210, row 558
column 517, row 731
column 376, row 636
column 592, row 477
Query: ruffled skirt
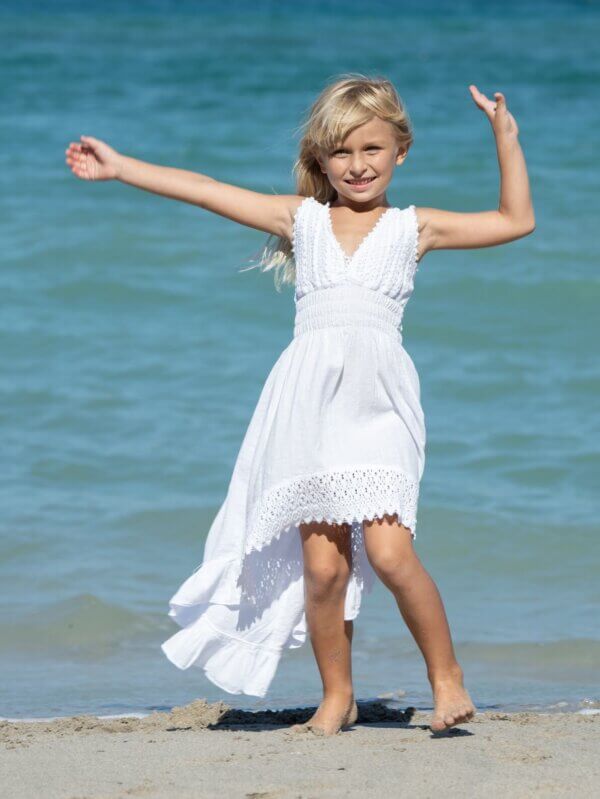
column 338, row 434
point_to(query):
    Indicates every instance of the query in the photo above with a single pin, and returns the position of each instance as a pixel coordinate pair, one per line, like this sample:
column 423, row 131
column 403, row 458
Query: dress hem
column 353, row 494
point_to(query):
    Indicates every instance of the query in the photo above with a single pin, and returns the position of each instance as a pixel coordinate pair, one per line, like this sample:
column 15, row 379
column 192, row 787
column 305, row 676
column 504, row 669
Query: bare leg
column 389, row 548
column 327, row 565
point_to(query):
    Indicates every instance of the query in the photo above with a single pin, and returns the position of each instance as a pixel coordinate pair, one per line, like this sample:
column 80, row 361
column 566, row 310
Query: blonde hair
column 343, row 105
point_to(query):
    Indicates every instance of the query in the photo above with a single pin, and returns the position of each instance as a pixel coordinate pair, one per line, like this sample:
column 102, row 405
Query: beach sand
column 209, row 750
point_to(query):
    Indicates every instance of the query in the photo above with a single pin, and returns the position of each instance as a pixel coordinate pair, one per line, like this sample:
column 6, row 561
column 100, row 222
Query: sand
column 209, row 750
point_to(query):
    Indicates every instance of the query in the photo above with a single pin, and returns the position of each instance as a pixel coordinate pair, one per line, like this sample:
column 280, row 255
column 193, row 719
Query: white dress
column 338, row 434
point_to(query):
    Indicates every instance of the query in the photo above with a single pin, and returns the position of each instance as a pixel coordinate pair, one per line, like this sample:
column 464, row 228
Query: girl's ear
column 401, row 156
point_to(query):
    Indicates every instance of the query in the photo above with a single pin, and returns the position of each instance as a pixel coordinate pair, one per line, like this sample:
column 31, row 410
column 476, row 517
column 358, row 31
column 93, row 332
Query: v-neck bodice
column 363, row 242
column 384, row 261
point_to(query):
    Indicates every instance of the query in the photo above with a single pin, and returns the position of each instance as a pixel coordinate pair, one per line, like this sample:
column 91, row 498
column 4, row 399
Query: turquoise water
column 133, row 351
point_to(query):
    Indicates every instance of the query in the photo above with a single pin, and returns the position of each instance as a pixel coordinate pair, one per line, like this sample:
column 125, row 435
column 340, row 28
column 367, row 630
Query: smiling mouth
column 360, row 182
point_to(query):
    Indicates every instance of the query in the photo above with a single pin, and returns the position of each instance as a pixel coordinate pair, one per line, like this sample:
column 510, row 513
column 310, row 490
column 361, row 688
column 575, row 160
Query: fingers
column 476, row 94
column 76, row 160
column 89, row 140
column 481, row 100
column 500, row 101
column 493, row 109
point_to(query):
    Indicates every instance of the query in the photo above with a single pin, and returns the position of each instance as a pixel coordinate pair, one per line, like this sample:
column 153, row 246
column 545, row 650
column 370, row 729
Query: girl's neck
column 374, row 204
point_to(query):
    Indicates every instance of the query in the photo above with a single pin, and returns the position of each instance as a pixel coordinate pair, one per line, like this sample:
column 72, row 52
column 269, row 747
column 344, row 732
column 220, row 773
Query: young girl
column 324, row 491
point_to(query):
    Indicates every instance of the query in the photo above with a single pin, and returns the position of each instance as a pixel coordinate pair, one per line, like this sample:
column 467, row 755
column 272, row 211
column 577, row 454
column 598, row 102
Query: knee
column 326, row 580
column 392, row 567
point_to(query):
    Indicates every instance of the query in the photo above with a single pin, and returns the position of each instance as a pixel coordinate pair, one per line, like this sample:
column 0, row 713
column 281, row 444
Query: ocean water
column 133, row 350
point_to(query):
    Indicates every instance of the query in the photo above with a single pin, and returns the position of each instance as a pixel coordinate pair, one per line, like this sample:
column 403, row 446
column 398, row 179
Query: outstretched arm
column 514, row 217
column 94, row 160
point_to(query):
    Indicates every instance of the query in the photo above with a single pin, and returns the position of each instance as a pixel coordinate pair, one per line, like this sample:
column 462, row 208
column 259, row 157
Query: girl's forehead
column 375, row 128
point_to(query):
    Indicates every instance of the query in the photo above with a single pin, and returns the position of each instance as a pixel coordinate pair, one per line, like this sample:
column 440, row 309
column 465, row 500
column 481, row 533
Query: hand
column 502, row 120
column 93, row 159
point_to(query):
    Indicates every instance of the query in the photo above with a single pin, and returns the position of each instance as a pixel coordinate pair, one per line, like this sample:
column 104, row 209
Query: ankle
column 345, row 694
column 453, row 674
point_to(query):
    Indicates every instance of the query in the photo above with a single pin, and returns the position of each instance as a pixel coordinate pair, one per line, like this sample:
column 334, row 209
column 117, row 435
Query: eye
column 342, row 151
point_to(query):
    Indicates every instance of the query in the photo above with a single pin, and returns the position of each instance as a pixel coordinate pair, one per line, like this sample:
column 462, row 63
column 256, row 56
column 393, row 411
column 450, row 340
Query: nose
column 357, row 167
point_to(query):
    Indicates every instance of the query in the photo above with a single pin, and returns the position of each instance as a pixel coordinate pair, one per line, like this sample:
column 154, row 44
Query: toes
column 460, row 717
column 445, row 718
column 437, row 724
column 307, row 727
column 299, row 728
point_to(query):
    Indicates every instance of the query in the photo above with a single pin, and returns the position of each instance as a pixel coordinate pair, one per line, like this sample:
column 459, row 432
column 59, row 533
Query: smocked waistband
column 348, row 305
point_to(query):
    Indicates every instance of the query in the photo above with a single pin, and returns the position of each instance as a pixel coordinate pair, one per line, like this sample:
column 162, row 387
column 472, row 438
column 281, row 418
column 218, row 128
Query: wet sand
column 209, row 750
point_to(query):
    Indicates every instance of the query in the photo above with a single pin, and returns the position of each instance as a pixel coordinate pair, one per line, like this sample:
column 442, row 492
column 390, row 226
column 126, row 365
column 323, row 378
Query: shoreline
column 206, row 749
column 144, row 715
column 586, row 707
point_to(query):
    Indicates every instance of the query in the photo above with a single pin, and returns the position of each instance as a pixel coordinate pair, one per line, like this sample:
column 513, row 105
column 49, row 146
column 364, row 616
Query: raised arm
column 94, row 160
column 514, row 218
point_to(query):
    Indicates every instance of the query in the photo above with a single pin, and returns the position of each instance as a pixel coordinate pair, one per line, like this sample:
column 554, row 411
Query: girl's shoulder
column 299, row 205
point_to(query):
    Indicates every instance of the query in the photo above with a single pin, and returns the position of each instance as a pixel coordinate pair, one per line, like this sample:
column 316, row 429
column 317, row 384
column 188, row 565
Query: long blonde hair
column 349, row 101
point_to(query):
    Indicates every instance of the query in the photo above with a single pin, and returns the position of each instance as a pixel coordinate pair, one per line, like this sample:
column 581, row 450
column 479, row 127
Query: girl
column 324, row 491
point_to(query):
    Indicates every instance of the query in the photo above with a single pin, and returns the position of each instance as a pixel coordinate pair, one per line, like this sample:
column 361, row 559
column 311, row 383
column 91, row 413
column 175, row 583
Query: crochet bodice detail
column 385, row 260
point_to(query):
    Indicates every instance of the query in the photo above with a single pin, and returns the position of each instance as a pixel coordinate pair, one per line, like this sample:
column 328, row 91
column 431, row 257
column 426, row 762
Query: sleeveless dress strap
column 300, row 218
column 303, row 230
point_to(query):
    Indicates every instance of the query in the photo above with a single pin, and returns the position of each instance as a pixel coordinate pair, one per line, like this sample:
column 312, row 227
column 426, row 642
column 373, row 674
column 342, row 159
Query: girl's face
column 362, row 166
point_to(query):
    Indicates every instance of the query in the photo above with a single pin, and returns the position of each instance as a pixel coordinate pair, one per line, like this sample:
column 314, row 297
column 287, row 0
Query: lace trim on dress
column 351, row 495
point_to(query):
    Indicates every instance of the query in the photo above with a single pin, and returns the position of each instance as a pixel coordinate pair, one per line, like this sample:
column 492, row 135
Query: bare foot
column 333, row 714
column 453, row 704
